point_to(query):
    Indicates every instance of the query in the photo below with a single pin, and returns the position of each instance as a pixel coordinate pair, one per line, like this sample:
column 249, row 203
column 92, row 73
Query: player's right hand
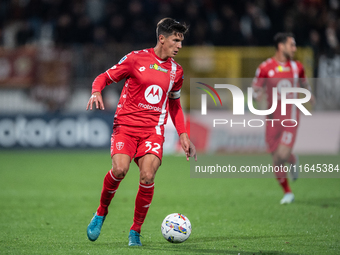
column 257, row 93
column 96, row 98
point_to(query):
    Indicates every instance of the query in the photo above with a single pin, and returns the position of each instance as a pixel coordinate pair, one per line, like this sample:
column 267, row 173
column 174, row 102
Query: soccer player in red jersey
column 153, row 82
column 281, row 71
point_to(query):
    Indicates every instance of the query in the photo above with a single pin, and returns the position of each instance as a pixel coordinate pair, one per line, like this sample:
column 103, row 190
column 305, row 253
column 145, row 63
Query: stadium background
column 50, row 52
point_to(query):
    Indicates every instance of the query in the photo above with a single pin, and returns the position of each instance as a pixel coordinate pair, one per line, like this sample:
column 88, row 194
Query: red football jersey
column 150, row 82
column 272, row 73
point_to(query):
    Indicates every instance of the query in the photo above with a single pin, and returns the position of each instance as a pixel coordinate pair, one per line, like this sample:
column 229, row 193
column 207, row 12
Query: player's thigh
column 273, row 135
column 282, row 153
column 148, row 166
column 122, row 143
column 287, row 140
column 123, row 148
column 120, row 164
column 288, row 137
column 150, row 144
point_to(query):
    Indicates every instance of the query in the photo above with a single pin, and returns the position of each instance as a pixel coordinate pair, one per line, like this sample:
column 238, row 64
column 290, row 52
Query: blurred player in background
column 281, row 71
column 153, row 82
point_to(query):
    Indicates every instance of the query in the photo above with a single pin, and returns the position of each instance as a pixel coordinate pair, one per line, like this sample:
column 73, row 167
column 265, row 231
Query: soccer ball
column 176, row 228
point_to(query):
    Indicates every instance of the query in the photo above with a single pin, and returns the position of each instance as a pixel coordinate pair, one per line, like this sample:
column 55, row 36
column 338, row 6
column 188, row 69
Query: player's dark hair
column 169, row 26
column 281, row 38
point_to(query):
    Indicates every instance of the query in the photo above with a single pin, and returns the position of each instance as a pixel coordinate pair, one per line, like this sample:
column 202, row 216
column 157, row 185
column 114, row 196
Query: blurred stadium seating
column 50, row 51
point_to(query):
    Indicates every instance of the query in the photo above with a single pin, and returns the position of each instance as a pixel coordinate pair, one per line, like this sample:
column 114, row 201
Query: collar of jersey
column 161, row 61
column 281, row 63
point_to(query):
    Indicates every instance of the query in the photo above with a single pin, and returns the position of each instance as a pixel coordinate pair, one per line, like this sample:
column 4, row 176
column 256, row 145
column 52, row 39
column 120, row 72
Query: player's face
column 172, row 44
column 289, row 48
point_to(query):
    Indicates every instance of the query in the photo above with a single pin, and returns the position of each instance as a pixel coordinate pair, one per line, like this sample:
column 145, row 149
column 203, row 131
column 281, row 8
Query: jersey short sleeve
column 122, row 69
column 260, row 74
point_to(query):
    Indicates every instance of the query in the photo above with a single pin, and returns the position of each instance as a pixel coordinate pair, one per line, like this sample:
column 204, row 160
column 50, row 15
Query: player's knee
column 280, row 157
column 283, row 157
column 147, row 177
column 120, row 171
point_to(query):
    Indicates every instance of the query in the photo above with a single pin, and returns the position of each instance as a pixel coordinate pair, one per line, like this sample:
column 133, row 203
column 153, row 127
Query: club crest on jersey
column 158, row 68
column 153, row 94
column 119, row 145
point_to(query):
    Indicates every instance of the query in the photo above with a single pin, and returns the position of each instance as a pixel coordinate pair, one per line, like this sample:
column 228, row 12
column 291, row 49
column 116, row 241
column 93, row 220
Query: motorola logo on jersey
column 153, row 94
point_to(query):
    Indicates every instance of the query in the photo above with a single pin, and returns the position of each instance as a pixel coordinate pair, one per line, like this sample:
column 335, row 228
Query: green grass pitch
column 47, row 199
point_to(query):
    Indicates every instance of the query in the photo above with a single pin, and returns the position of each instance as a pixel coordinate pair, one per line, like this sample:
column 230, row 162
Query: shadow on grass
column 180, row 250
column 224, row 238
column 321, row 202
column 193, row 249
column 191, row 246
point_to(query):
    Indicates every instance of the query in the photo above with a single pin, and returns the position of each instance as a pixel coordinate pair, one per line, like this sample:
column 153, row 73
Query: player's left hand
column 188, row 147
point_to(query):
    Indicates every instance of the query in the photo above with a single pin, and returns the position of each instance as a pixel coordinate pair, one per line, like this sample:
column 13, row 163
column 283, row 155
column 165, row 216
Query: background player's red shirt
column 272, row 73
column 150, row 81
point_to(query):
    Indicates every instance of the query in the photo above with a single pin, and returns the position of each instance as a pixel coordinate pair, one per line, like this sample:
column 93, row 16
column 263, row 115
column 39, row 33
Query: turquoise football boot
column 95, row 226
column 134, row 238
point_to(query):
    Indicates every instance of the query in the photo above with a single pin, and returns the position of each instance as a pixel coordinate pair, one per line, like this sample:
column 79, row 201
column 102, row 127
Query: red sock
column 283, row 181
column 142, row 204
column 110, row 187
column 292, row 159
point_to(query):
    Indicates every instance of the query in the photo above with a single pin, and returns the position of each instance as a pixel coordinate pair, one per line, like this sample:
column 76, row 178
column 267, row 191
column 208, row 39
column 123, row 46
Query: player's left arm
column 304, row 82
column 188, row 147
column 177, row 116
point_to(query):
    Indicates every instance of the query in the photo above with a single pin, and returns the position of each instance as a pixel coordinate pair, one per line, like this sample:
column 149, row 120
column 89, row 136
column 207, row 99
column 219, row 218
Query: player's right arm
column 258, row 93
column 258, row 83
column 114, row 74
